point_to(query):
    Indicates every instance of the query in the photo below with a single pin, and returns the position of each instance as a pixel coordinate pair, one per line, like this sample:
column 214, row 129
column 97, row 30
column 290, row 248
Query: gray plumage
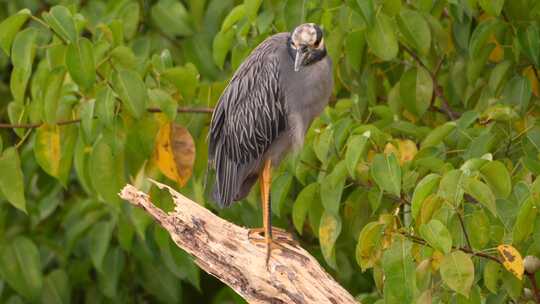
column 263, row 113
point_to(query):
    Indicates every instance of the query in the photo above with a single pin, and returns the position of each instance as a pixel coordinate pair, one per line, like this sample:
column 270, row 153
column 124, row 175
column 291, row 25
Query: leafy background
column 417, row 184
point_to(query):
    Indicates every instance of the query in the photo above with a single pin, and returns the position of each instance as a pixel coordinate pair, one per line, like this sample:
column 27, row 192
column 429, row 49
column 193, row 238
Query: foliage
column 417, row 184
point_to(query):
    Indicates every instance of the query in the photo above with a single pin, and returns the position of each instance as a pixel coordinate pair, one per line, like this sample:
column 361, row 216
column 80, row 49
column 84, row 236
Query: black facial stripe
column 314, row 56
column 319, row 35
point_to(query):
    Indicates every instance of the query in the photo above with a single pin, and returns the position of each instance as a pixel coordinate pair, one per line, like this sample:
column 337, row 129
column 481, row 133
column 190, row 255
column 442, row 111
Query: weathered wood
column 226, row 251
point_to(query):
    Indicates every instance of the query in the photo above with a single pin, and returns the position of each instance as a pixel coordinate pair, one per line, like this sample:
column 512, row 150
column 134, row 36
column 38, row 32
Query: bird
column 264, row 112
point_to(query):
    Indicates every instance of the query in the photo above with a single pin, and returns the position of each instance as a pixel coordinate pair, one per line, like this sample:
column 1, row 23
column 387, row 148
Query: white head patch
column 304, row 34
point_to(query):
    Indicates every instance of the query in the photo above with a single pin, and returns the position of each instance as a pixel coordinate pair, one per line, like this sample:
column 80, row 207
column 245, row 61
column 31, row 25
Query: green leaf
column 23, row 53
column 53, row 94
column 185, row 79
column 386, row 173
column 355, row 149
column 80, row 63
column 529, row 40
column 416, row 89
column 279, row 192
column 123, row 57
column 438, row 134
column 86, row 112
column 20, row 267
column 451, row 187
column 62, row 23
column 130, row 16
column 9, row 28
column 252, row 7
column 329, row 230
column 415, row 30
column 367, row 8
column 165, row 102
column 321, row 145
column 235, row 15
column 368, row 245
column 381, row 38
column 518, row 92
column 56, row 289
column 480, row 192
column 492, row 275
column 105, row 170
column 132, row 91
column 11, row 178
column 492, row 7
column 424, row 188
column 437, row 236
column 480, row 37
column 177, row 260
column 523, row 226
column 457, row 271
column 479, row 229
column 332, row 188
column 99, row 238
column 114, row 264
column 399, row 271
column 172, row 18
column 309, row 194
column 161, row 283
column 105, row 103
column 497, row 177
column 222, row 45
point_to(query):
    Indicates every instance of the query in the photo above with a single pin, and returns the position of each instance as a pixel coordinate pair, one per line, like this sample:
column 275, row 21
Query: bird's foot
column 257, row 234
column 277, row 240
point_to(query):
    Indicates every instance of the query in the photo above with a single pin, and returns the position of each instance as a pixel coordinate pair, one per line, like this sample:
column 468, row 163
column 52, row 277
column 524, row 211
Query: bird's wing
column 248, row 118
column 251, row 112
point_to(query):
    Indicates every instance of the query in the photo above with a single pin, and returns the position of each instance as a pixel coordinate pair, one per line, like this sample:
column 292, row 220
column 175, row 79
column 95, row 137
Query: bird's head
column 307, row 45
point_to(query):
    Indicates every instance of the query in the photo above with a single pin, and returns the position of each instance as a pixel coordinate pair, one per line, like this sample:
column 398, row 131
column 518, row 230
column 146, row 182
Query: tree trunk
column 225, row 251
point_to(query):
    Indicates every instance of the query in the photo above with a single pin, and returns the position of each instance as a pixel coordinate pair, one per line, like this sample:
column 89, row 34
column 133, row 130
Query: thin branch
column 437, row 88
column 534, row 286
column 185, row 110
column 421, row 241
column 74, row 121
column 464, row 230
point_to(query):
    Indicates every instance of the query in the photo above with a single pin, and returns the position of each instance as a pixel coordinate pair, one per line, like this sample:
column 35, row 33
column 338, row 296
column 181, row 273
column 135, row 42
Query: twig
column 185, row 110
column 437, row 88
column 73, row 121
column 464, row 230
column 534, row 286
column 229, row 253
column 421, row 241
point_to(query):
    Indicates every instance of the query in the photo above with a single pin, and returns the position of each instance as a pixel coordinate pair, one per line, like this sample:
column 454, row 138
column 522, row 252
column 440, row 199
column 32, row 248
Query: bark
column 225, row 251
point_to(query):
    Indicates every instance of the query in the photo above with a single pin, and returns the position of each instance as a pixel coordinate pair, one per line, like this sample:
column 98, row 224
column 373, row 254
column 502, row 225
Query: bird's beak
column 298, row 59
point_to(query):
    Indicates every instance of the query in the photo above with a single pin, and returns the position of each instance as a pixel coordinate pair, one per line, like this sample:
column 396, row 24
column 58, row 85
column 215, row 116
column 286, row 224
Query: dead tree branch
column 225, row 251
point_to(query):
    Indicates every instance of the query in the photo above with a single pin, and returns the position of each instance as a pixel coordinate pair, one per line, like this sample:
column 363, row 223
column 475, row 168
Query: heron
column 264, row 112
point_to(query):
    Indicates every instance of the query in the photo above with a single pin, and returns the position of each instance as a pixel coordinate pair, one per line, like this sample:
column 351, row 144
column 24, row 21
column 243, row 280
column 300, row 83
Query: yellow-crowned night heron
column 265, row 111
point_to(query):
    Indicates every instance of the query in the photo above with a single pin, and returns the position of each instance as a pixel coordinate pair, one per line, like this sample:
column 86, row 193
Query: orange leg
column 265, row 182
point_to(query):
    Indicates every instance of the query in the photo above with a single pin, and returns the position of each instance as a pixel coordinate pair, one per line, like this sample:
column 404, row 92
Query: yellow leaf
column 47, row 149
column 531, row 75
column 370, row 155
column 409, row 116
column 175, row 152
column 512, row 260
column 390, row 148
column 407, row 150
column 497, row 55
column 436, row 259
